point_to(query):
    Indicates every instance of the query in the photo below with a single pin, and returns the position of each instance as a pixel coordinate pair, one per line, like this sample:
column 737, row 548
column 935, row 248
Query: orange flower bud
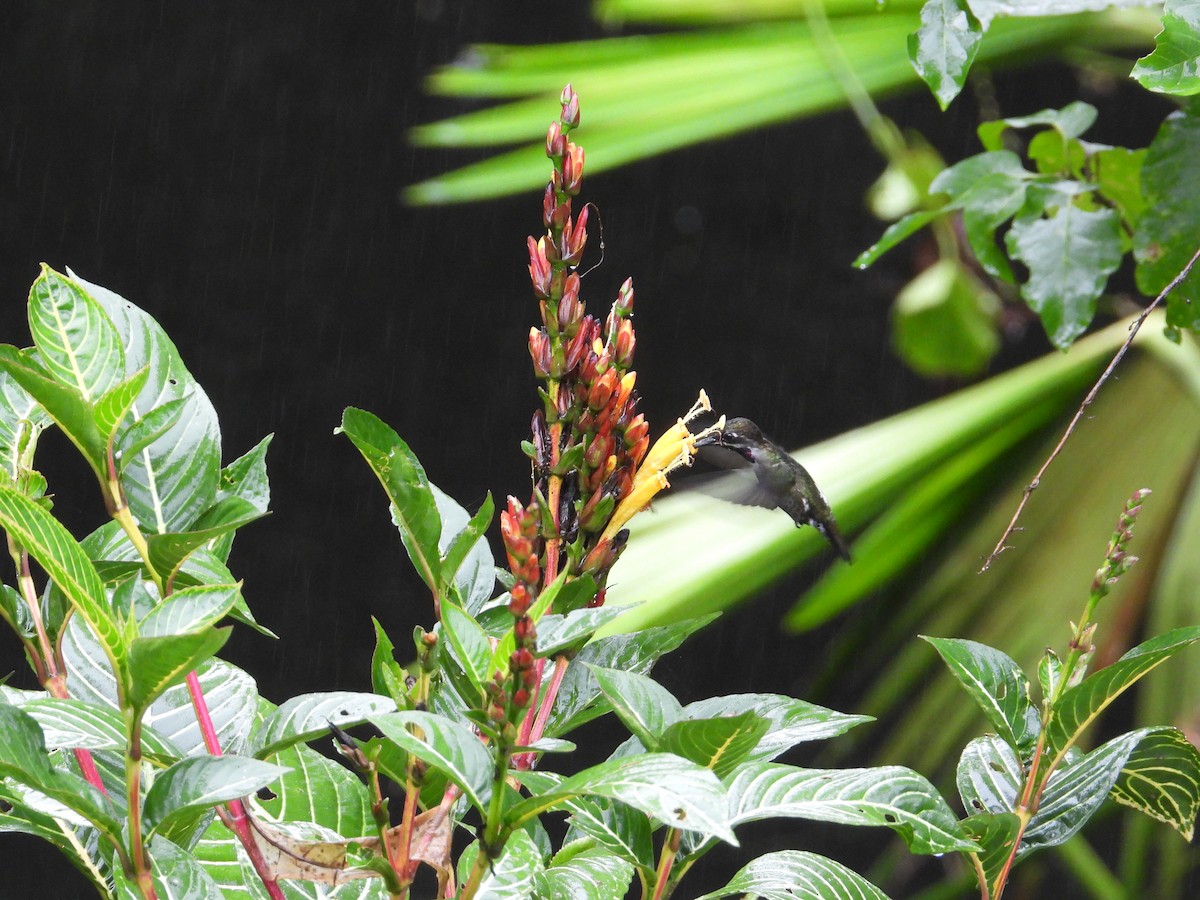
column 636, row 430
column 602, row 390
column 549, row 201
column 570, row 107
column 570, row 310
column 539, row 351
column 539, row 267
column 554, row 141
column 625, row 344
column 572, row 169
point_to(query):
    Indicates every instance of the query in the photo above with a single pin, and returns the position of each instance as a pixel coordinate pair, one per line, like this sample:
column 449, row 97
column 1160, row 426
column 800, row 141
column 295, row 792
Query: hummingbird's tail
column 830, row 531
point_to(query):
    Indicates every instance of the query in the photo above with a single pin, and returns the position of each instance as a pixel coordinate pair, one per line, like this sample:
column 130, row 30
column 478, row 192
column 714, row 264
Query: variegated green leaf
column 76, row 340
column 797, row 875
column 893, row 796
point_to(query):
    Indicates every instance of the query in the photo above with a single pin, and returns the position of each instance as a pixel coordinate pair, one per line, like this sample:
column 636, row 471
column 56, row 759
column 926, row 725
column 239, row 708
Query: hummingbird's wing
column 736, row 483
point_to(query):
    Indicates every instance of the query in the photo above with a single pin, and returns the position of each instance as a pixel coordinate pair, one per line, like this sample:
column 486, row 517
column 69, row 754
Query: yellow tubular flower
column 674, row 449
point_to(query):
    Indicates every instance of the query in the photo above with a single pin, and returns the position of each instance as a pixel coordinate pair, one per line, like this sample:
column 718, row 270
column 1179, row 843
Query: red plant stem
column 527, row 724
column 45, row 662
column 525, row 760
column 87, row 766
column 238, row 823
column 666, row 860
column 550, row 570
column 403, row 867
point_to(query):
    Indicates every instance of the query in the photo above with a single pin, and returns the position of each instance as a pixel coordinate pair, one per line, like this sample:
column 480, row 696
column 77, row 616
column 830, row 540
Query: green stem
column 125, row 519
column 880, row 129
column 237, row 819
column 142, row 873
column 475, row 878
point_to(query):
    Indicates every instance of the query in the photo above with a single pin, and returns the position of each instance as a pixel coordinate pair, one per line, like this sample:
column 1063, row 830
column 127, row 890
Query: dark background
column 235, row 169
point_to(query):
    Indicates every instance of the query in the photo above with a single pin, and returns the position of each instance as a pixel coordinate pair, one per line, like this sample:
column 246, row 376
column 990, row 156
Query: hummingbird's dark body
column 780, row 481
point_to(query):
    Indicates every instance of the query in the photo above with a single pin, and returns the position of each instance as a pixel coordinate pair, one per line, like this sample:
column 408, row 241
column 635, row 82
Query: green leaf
column 1173, row 67
column 669, row 789
column 944, row 47
column 989, row 776
column 996, row 835
column 190, row 609
column 1049, row 673
column 755, row 74
column 997, row 685
column 308, row 716
column 469, row 643
column 579, row 696
column 169, row 550
column 1070, row 122
column 1161, row 778
column 177, row 876
column 56, row 830
column 387, row 675
column 1056, row 155
column 474, row 576
column 944, row 322
column 464, row 542
column 1079, row 706
column 22, row 420
column 35, row 530
column 797, row 875
column 157, row 663
column 201, row 782
column 403, row 478
column 1076, row 789
column 15, row 611
column 62, row 403
column 112, row 408
column 990, row 189
column 1069, row 255
column 1118, row 174
column 893, row 796
column 204, row 567
column 720, row 743
column 1166, row 236
column 791, row 721
column 623, row 830
column 230, row 692
column 513, row 875
column 895, row 233
column 246, row 477
column 146, row 430
column 643, row 705
column 556, row 633
column 317, row 789
column 445, row 745
column 76, row 341
column 69, row 723
column 583, row 874
column 23, row 758
column 170, row 481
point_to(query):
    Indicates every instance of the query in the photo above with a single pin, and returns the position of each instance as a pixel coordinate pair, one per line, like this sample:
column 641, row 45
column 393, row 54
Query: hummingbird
column 780, row 481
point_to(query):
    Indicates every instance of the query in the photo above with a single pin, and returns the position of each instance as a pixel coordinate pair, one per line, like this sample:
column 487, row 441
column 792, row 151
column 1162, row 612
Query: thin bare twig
column 1001, row 545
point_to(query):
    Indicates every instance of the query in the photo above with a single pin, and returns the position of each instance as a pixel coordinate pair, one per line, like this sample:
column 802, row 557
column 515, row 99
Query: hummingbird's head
column 740, row 434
